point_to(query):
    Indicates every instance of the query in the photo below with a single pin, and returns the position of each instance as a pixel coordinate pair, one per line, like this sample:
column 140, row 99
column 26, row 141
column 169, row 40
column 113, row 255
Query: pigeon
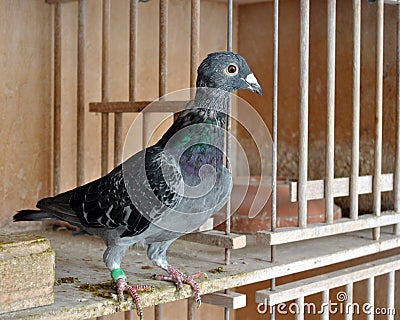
column 166, row 190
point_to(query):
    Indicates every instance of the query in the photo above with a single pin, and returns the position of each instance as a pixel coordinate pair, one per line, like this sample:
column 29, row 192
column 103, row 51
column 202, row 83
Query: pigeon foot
column 123, row 286
column 179, row 278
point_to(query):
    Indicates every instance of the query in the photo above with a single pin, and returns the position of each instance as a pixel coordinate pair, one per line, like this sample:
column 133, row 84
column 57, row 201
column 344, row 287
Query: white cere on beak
column 251, row 79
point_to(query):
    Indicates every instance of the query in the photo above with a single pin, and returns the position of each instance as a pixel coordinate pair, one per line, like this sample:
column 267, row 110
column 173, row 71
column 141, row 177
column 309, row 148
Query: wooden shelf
column 81, row 257
column 137, row 106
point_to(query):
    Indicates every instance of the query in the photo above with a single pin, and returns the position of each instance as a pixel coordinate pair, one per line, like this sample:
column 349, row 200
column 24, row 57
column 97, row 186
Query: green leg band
column 117, row 273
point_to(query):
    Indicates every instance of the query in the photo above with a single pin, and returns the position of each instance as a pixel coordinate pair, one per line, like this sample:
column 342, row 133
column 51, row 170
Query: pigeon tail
column 32, row 215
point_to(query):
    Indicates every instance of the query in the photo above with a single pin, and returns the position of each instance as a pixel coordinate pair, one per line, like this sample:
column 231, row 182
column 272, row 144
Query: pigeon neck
column 212, row 99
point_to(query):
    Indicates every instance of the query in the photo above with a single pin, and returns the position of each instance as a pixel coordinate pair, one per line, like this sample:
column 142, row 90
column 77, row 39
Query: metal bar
column 396, row 229
column 390, row 295
column 133, row 36
column 228, row 140
column 370, row 296
column 163, row 25
column 325, row 304
column 228, row 144
column 303, row 119
column 80, row 157
column 191, row 313
column 194, row 41
column 378, row 115
column 105, row 83
column 133, row 39
column 300, row 308
column 57, row 99
column 348, row 313
column 275, row 116
column 355, row 147
column 272, row 313
column 330, row 126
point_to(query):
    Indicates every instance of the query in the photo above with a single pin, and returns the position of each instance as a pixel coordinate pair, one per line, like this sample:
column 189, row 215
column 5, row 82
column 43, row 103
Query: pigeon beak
column 252, row 83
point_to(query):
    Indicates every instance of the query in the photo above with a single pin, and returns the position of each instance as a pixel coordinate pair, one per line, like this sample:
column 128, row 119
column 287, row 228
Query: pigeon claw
column 179, row 278
column 123, row 286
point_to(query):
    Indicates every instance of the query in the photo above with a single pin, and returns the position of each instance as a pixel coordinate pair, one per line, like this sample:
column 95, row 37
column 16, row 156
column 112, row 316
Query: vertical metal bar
column 192, row 306
column 163, row 48
column 194, row 41
column 390, row 295
column 275, row 116
column 57, row 99
column 325, row 304
column 330, row 126
column 105, row 84
column 228, row 129
column 80, row 158
column 396, row 229
column 303, row 119
column 228, row 144
column 275, row 125
column 355, row 148
column 300, row 308
column 133, row 38
column 272, row 313
column 348, row 313
column 162, row 85
column 370, row 297
column 378, row 115
column 133, row 25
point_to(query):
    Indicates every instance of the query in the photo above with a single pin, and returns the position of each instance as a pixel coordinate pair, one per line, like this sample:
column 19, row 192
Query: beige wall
column 25, row 109
column 256, row 44
column 26, row 85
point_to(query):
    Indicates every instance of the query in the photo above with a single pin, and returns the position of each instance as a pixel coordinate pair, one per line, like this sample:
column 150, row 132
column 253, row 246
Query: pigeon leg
column 179, row 278
column 122, row 286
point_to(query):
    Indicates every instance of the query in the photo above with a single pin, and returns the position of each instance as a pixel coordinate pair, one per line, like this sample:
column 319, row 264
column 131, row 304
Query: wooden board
column 293, row 234
column 341, row 187
column 80, row 257
column 218, row 239
column 309, row 286
column 137, row 106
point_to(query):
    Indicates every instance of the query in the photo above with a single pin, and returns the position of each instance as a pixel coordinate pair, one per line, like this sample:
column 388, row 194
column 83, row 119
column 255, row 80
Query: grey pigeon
column 163, row 191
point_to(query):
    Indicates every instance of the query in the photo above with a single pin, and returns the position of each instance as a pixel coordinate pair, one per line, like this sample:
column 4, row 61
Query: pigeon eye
column 231, row 70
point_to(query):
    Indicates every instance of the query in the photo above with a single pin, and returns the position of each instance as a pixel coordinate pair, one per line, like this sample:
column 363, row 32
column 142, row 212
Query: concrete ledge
column 27, row 265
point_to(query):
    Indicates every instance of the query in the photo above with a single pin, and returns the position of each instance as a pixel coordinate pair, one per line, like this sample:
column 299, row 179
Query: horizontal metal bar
column 137, row 106
column 218, row 239
column 231, row 300
column 309, row 286
column 294, row 234
column 341, row 187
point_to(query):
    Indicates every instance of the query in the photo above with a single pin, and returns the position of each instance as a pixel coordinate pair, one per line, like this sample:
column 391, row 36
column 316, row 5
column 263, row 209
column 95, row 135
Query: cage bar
column 163, row 69
column 378, row 114
column 57, row 99
column 303, row 104
column 348, row 314
column 355, row 146
column 80, row 154
column 105, row 83
column 330, row 125
column 300, row 308
column 194, row 40
column 371, row 296
column 397, row 154
column 325, row 304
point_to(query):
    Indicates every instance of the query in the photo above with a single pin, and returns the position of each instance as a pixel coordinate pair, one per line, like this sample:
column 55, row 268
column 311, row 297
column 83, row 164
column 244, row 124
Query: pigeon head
column 226, row 71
